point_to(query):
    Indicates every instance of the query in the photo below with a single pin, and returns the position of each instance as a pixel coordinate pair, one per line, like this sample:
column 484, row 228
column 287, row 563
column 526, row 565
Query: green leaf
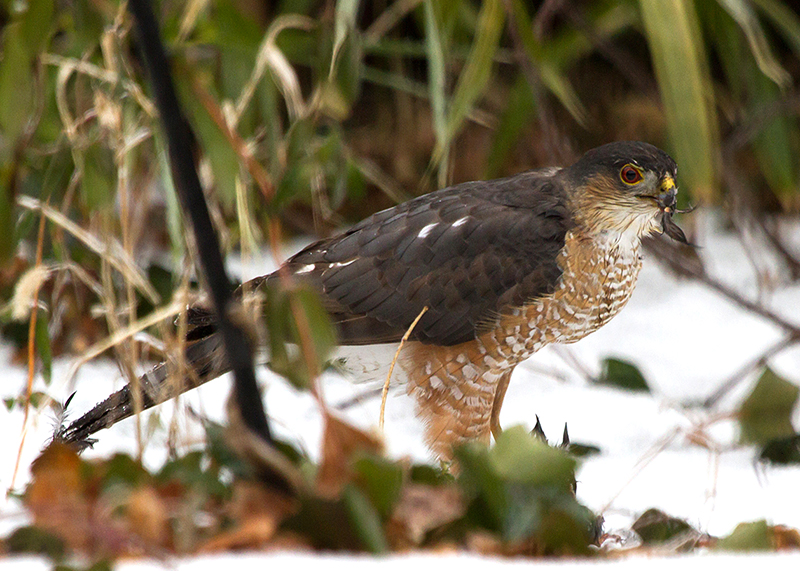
column 8, row 244
column 654, row 526
column 766, row 413
column 519, row 456
column 433, row 476
column 381, row 480
column 552, row 76
column 605, row 19
column 121, row 469
column 323, row 335
column 479, row 479
column 283, row 309
column 436, row 85
column 215, row 144
column 16, row 83
column 23, row 38
column 519, row 109
column 753, row 536
column 478, row 68
column 219, row 450
column 35, row 541
column 331, row 524
column 782, row 451
column 623, row 375
column 679, row 58
column 340, row 90
column 568, row 528
column 98, row 184
column 758, row 41
column 580, row 450
column 189, row 471
column 37, row 22
column 37, row 398
column 344, row 26
column 365, row 520
column 775, row 144
column 175, row 227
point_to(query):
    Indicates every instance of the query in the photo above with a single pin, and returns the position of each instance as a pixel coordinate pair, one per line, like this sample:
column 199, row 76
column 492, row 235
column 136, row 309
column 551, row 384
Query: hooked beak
column 666, row 201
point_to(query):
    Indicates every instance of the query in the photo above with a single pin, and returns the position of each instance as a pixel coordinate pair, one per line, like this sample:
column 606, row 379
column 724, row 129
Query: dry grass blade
column 385, row 391
column 388, row 20
column 191, row 13
column 345, row 16
column 757, row 39
column 70, row 65
column 123, row 334
column 784, row 18
column 269, row 56
column 110, row 251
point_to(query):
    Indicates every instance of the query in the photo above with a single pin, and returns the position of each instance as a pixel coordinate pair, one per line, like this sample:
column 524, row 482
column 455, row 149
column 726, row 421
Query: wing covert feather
column 467, row 252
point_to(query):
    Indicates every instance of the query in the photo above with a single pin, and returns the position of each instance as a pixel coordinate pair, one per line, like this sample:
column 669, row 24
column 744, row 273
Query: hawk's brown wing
column 467, row 252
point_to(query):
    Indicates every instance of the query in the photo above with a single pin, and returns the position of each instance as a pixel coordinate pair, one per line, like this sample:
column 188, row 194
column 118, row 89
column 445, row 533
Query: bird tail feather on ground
column 204, row 361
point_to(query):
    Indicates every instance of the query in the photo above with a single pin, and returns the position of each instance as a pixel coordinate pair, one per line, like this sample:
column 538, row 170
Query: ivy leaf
column 521, row 457
column 623, row 375
column 655, row 526
column 752, row 536
column 766, row 414
column 381, row 480
column 781, row 451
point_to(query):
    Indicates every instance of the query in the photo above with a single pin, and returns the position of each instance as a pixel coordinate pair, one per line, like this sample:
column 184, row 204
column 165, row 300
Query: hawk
column 487, row 272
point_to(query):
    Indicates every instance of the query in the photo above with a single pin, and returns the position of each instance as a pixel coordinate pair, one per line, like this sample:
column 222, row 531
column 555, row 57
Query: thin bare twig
column 748, row 368
column 773, row 237
column 689, row 269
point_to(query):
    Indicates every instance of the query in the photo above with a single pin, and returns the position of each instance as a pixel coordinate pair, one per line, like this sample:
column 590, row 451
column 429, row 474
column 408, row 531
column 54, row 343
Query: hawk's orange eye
column 630, row 174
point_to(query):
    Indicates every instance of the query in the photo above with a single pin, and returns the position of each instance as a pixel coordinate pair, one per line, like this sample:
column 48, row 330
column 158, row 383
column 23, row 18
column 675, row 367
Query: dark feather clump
column 673, row 230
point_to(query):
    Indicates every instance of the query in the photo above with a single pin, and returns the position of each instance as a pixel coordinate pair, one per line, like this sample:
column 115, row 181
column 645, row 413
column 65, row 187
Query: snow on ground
column 687, row 341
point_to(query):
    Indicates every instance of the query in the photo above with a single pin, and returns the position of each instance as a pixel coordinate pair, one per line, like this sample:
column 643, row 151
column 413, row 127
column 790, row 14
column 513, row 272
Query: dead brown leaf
column 251, row 533
column 340, row 442
column 56, row 495
column 148, row 517
column 785, row 537
column 484, row 543
column 422, row 508
column 258, row 512
column 254, row 499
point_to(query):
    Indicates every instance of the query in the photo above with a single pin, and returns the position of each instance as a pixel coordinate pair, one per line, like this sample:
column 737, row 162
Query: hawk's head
column 625, row 187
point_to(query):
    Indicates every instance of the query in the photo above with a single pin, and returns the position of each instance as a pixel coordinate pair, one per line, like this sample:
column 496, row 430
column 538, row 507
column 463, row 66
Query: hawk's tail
column 205, row 360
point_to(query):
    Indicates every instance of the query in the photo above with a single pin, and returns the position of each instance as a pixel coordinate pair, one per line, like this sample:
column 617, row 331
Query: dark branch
column 184, row 172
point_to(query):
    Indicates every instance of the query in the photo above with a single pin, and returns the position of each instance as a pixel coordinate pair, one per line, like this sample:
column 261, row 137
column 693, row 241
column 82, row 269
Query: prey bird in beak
column 667, row 201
